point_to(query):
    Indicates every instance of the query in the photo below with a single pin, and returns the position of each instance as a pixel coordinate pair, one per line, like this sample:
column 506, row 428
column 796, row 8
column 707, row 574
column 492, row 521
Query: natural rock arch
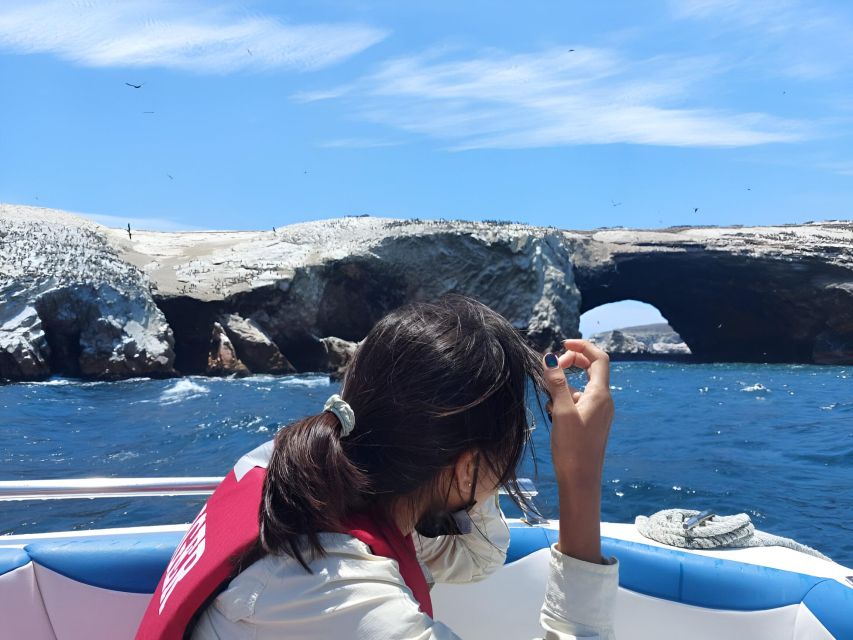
column 728, row 304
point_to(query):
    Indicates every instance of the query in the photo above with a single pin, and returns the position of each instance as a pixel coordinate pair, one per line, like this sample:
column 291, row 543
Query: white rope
column 716, row 532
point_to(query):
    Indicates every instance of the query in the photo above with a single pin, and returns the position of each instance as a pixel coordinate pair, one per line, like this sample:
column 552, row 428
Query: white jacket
column 355, row 594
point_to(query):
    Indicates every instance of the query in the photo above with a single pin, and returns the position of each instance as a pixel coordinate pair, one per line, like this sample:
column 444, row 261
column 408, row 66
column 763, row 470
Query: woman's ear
column 463, row 474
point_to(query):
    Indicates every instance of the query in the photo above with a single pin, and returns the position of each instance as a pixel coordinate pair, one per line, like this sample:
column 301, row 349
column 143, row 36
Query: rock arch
column 759, row 295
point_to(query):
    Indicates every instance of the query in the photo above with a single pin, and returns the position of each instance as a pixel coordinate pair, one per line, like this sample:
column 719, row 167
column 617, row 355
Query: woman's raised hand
column 580, row 427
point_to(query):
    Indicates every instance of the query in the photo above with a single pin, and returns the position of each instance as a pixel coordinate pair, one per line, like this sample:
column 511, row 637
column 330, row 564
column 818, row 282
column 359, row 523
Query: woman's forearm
column 580, row 517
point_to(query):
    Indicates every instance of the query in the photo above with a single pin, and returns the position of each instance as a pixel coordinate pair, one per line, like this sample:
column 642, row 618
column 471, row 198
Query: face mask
column 447, row 523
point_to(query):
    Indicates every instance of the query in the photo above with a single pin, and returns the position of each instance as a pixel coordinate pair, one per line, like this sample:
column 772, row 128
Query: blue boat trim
column 127, row 562
column 702, row 581
column 707, row 582
column 832, row 603
column 11, row 559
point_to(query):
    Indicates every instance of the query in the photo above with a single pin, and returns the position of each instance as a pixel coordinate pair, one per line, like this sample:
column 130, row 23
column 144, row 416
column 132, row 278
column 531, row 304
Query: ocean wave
column 81, row 382
column 183, row 390
column 260, row 377
column 52, row 382
column 306, row 381
column 95, row 383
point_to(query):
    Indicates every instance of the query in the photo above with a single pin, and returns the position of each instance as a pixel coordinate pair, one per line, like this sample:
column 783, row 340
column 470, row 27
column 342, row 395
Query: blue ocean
column 774, row 441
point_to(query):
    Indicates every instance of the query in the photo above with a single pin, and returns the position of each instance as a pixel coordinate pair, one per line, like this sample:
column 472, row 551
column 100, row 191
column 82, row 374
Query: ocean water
column 774, row 441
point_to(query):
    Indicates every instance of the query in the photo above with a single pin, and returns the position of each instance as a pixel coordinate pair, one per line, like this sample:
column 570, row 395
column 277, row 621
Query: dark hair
column 428, row 383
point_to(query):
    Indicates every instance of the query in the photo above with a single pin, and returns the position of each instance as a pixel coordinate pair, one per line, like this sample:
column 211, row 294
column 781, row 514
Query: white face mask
column 447, row 523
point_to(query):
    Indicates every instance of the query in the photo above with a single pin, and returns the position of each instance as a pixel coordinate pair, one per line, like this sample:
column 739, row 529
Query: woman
column 432, row 421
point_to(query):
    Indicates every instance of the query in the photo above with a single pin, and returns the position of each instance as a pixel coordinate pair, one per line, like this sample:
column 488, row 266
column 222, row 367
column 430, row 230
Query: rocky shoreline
column 80, row 299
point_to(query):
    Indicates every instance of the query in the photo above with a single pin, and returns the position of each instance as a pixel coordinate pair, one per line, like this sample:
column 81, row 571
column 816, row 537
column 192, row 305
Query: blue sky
column 573, row 114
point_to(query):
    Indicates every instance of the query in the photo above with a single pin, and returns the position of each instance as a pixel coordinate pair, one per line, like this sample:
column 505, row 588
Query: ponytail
column 429, row 382
column 310, row 487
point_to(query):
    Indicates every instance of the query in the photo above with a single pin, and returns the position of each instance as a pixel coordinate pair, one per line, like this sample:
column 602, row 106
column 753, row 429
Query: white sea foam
column 756, row 388
column 183, row 390
column 123, row 455
column 260, row 377
column 94, row 383
column 53, row 382
column 305, row 381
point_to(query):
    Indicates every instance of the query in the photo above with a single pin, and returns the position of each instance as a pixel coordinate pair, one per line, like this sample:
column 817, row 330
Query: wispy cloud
column 357, row 143
column 188, row 35
column 321, row 94
column 556, row 97
column 803, row 40
column 841, row 168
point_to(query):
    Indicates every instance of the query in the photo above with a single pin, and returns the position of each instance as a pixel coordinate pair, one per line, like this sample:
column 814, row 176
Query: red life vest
column 226, row 527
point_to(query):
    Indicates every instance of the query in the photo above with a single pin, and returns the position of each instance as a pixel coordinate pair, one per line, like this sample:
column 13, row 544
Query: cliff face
column 338, row 277
column 760, row 294
column 81, row 299
column 69, row 304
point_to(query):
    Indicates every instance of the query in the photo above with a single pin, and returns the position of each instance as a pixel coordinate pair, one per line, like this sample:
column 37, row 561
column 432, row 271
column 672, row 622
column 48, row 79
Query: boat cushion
column 134, row 563
column 11, row 559
column 127, row 562
column 688, row 578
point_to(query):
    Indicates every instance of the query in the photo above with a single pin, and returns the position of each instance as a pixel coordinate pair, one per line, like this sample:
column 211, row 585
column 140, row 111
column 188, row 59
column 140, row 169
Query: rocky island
column 80, row 299
column 643, row 342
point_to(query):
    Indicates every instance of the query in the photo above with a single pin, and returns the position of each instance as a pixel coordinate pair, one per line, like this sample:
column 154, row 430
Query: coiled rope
column 715, row 532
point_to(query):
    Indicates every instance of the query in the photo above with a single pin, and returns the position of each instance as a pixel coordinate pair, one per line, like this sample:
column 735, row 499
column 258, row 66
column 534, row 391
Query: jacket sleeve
column 580, row 598
column 472, row 556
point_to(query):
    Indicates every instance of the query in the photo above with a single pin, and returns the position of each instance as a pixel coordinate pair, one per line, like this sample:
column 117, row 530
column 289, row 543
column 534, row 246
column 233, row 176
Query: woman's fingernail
column 551, row 360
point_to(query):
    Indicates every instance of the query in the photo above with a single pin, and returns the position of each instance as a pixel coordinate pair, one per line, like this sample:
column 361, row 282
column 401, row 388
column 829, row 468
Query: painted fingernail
column 551, row 360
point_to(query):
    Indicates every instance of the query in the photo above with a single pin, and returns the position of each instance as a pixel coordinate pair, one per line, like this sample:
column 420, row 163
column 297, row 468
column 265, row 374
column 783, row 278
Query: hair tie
column 343, row 411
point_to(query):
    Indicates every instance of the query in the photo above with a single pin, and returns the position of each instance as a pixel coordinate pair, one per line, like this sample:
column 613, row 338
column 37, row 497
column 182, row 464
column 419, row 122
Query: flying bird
column 249, row 51
column 695, row 209
column 615, row 204
column 147, row 112
column 135, row 86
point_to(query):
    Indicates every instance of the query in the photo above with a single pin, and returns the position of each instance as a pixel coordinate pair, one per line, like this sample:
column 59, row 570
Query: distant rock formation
column 336, row 278
column 650, row 340
column 77, row 298
column 738, row 294
column 24, row 352
column 222, row 359
column 257, row 350
column 339, row 354
column 70, row 305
